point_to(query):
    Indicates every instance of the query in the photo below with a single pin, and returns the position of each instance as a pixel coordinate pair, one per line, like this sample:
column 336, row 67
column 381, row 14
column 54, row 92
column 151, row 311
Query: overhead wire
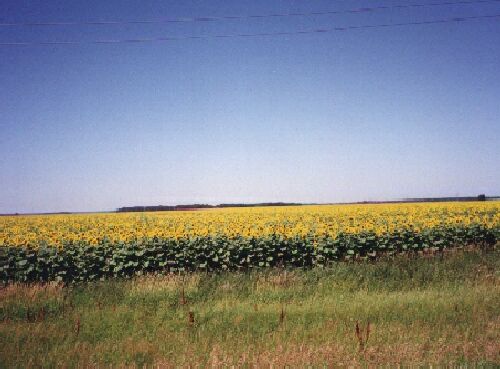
column 240, row 17
column 260, row 34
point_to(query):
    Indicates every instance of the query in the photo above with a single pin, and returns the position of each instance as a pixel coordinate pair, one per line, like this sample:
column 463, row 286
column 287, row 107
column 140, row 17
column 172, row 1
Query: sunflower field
column 84, row 247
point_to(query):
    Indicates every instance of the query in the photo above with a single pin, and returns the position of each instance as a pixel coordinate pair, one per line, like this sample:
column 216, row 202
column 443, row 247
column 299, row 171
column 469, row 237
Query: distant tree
column 481, row 197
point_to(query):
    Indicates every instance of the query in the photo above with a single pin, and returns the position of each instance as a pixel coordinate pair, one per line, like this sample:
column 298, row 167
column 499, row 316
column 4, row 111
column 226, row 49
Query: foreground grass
column 441, row 310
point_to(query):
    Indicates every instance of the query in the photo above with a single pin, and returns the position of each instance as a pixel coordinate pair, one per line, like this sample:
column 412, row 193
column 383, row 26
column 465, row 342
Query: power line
column 262, row 34
column 240, row 17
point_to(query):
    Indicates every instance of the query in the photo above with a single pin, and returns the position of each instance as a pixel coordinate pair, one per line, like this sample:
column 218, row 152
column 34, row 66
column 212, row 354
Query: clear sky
column 366, row 114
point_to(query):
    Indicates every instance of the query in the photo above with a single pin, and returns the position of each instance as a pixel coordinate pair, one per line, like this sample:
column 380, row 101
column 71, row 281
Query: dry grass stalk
column 182, row 299
column 41, row 314
column 77, row 326
column 191, row 318
column 282, row 314
column 368, row 330
column 358, row 335
column 362, row 338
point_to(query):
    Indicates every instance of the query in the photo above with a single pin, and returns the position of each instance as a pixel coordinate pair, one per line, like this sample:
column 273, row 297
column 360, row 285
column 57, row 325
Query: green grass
column 440, row 310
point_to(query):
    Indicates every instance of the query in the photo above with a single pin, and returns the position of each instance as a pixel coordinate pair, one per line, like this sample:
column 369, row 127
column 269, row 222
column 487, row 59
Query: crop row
column 82, row 262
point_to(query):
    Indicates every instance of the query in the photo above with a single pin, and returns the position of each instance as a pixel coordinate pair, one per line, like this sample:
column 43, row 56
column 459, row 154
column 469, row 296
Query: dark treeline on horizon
column 199, row 206
column 481, row 197
column 125, row 209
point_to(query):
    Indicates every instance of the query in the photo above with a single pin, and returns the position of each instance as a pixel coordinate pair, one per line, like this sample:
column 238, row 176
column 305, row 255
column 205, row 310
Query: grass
column 441, row 310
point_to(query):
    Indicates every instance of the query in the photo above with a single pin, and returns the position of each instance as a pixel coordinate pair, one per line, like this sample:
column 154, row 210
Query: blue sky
column 357, row 115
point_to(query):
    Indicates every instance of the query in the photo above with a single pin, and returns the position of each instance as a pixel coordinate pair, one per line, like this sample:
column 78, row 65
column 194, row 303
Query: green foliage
column 81, row 262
